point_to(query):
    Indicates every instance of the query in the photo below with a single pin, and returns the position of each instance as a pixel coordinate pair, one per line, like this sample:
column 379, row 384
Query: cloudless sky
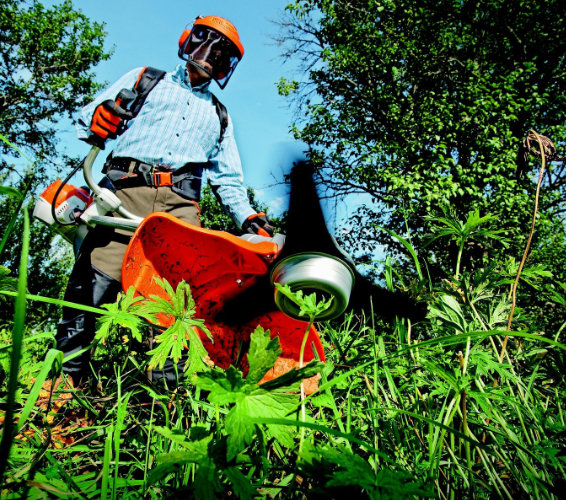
column 146, row 33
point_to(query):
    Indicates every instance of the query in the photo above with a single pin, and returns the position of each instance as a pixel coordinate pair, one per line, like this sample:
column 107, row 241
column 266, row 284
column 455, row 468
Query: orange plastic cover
column 67, row 191
column 217, row 266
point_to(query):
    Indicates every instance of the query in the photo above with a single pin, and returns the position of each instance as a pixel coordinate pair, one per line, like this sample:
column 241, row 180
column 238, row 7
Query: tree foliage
column 213, row 215
column 46, row 70
column 47, row 55
column 423, row 105
column 49, row 262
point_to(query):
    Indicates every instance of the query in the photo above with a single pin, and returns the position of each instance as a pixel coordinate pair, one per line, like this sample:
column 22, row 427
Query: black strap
column 128, row 172
column 147, row 80
column 222, row 113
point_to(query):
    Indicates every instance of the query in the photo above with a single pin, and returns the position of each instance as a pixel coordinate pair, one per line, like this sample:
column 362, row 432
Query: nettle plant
column 133, row 316
column 247, row 416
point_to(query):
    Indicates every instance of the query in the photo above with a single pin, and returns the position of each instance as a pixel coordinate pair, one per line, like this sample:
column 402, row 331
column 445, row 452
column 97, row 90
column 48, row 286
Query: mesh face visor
column 212, row 52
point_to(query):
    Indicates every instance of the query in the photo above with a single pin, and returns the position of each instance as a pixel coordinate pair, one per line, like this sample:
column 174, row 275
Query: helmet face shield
column 212, row 52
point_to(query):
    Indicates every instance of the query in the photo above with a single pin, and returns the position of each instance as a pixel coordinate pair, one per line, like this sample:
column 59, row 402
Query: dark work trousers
column 95, row 278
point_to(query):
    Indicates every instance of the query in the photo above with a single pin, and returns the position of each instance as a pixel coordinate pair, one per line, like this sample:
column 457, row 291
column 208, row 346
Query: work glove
column 258, row 224
column 107, row 122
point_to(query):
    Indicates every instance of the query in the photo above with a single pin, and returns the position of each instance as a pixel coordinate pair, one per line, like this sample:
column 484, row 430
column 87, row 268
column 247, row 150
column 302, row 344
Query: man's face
column 209, row 48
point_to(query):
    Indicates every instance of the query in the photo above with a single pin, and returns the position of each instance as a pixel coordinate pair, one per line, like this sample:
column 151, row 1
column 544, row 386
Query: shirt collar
column 180, row 75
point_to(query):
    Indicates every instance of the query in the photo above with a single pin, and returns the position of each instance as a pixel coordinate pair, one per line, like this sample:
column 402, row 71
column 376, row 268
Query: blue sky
column 146, row 33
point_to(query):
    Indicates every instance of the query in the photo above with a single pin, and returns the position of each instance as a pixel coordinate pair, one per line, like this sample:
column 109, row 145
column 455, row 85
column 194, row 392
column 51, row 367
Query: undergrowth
column 403, row 410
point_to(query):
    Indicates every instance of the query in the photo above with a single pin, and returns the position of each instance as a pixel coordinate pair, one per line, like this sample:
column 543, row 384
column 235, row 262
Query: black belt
column 185, row 181
column 139, row 173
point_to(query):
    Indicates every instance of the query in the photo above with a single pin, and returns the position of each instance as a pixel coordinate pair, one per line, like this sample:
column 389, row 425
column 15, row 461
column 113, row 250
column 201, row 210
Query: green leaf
column 262, row 354
column 259, row 403
column 240, row 483
column 409, row 249
column 183, row 334
column 309, row 306
column 224, row 386
column 249, row 401
column 448, row 311
column 10, row 191
column 170, row 344
column 126, row 313
column 197, row 354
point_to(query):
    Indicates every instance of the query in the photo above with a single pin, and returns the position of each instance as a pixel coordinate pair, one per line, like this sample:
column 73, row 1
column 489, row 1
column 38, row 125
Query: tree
column 213, row 216
column 47, row 56
column 424, row 104
column 45, row 73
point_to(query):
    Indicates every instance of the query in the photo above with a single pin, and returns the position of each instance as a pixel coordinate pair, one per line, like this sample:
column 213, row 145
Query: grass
column 403, row 410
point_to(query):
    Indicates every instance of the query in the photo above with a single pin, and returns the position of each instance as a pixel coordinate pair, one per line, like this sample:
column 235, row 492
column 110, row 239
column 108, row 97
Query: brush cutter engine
column 71, row 211
column 60, row 205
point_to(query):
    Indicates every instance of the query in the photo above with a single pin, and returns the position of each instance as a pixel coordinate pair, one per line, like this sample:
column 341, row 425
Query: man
column 176, row 136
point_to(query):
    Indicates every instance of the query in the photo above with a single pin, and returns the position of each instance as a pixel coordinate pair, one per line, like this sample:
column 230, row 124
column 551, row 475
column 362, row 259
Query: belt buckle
column 162, row 178
column 146, row 172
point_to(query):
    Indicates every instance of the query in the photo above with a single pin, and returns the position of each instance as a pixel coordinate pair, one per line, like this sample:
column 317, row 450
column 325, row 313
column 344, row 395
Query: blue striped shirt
column 177, row 125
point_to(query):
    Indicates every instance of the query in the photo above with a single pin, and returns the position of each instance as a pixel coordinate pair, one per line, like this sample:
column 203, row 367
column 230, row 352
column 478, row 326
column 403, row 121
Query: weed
column 403, row 410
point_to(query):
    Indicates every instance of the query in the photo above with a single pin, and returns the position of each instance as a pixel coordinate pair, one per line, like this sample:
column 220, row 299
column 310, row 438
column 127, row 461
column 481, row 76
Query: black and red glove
column 258, row 224
column 107, row 121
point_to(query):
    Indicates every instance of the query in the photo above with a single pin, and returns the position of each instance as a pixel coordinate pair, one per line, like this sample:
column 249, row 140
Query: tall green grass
column 403, row 410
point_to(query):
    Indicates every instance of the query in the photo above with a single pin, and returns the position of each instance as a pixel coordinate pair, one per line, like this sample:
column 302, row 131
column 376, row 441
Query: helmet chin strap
column 200, row 67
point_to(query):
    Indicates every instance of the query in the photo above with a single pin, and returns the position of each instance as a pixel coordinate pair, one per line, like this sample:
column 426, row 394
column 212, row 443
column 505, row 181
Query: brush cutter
column 232, row 279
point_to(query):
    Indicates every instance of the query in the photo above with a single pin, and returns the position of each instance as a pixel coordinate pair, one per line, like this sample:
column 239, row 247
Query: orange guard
column 217, row 266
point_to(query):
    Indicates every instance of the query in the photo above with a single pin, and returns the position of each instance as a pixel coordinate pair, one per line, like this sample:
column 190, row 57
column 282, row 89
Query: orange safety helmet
column 198, row 41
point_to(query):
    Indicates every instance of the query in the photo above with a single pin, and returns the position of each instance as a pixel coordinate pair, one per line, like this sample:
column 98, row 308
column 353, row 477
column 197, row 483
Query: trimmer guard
column 217, row 266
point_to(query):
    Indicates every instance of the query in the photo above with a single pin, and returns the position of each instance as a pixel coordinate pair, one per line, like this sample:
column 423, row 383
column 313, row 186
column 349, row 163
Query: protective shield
column 212, row 52
column 218, row 267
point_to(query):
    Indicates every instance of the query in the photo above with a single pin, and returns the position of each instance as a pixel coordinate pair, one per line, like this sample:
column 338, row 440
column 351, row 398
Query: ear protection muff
column 183, row 38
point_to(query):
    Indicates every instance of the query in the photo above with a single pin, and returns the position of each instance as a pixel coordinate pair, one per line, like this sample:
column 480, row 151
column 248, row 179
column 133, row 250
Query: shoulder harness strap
column 147, row 80
column 222, row 116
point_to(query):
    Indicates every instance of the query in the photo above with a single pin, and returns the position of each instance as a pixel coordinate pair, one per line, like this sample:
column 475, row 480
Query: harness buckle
column 162, row 179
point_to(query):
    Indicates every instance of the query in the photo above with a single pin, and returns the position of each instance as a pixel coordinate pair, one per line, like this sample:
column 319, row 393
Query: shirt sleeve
column 227, row 179
column 85, row 118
